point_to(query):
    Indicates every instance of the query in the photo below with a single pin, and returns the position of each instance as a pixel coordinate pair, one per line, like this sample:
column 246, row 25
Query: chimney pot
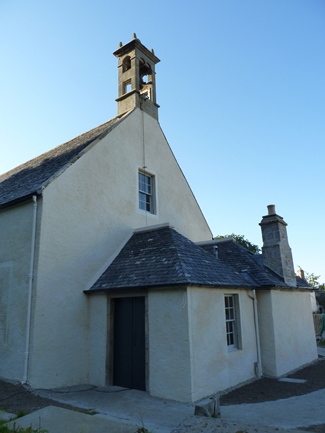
column 301, row 273
column 271, row 209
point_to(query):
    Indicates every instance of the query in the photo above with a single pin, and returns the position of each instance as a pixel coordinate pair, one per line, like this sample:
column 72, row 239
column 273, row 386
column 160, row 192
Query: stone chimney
column 301, row 273
column 276, row 250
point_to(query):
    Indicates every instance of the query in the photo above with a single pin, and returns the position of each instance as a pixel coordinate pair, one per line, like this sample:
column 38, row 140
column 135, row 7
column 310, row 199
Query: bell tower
column 136, row 78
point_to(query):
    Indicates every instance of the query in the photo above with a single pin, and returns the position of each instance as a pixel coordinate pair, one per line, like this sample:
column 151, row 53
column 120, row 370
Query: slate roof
column 163, row 257
column 30, row 178
column 302, row 282
column 246, row 262
column 251, row 265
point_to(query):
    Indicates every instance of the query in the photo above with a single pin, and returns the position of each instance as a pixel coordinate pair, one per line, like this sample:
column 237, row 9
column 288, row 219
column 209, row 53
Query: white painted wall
column 15, row 244
column 266, row 329
column 169, row 349
column 313, row 302
column 286, row 331
column 88, row 212
column 98, row 313
column 214, row 367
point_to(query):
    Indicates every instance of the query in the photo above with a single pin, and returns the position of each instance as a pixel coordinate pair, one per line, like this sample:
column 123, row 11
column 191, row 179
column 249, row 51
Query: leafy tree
column 312, row 280
column 240, row 239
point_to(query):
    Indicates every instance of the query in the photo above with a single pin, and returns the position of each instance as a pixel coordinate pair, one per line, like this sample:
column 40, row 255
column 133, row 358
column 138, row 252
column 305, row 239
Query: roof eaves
column 168, row 285
column 22, row 199
column 133, row 288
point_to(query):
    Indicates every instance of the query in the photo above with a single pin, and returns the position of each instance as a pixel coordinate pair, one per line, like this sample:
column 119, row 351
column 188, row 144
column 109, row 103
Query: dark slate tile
column 30, row 177
column 164, row 257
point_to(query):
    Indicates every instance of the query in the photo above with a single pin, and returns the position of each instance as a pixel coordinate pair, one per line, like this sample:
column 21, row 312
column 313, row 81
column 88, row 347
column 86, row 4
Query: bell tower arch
column 136, row 78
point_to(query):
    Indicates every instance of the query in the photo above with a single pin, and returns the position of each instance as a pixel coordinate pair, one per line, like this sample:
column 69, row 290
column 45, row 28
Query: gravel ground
column 18, row 399
column 267, row 389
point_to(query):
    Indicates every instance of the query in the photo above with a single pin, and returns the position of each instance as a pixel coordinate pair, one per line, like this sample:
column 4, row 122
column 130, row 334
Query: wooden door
column 129, row 343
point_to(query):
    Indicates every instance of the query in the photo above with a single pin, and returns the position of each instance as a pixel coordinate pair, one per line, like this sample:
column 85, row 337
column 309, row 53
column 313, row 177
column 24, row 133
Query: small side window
column 146, row 192
column 232, row 321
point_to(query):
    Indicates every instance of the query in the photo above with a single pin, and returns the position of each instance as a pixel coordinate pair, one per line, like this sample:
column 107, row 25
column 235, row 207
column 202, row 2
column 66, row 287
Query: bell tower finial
column 136, row 78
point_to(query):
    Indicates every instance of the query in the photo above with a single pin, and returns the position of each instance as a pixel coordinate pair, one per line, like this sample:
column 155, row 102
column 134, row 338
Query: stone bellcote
column 136, row 78
column 276, row 250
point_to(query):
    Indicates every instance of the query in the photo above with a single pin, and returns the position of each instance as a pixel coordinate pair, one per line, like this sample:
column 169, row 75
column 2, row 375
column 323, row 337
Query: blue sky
column 240, row 84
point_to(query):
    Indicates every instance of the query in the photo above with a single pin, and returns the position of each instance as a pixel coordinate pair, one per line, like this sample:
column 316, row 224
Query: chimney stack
column 301, row 273
column 276, row 250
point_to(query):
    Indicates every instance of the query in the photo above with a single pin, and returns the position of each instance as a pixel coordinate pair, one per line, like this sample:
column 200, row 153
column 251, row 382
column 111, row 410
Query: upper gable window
column 146, row 192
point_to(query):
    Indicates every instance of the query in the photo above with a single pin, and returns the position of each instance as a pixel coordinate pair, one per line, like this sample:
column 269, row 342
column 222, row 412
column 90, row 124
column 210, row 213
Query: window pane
column 231, row 325
column 145, row 192
column 142, row 201
column 148, row 203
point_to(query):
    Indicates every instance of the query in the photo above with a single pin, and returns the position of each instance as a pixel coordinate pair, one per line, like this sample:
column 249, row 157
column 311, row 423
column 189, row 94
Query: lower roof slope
column 251, row 265
column 29, row 178
column 163, row 257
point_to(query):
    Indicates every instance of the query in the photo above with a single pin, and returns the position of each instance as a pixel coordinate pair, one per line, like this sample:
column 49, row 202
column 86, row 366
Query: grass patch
column 91, row 412
column 17, row 429
column 21, row 413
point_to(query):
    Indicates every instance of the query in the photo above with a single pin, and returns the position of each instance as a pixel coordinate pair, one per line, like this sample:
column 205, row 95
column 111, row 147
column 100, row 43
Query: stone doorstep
column 209, row 407
column 288, row 379
column 7, row 416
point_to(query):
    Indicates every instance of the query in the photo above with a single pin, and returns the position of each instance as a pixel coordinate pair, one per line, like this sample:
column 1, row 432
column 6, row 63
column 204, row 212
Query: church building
column 109, row 274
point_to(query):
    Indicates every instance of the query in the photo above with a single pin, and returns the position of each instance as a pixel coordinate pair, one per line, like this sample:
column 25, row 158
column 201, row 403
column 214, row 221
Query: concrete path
column 294, row 412
column 125, row 411
column 6, row 416
column 137, row 409
column 58, row 420
column 129, row 406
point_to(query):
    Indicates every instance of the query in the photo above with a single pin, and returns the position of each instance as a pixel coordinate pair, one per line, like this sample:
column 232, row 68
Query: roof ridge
column 183, row 266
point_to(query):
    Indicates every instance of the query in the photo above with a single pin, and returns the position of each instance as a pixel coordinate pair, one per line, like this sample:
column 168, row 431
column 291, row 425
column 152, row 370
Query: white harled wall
column 188, row 353
column 169, row 349
column 214, row 367
column 89, row 211
column 15, row 247
column 286, row 330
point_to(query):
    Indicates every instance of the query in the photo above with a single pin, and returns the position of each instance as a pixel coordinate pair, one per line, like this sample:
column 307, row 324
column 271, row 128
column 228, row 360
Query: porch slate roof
column 163, row 257
column 30, row 178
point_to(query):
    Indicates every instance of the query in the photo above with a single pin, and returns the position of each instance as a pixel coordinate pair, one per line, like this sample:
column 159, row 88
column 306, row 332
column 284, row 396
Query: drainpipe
column 257, row 336
column 30, row 287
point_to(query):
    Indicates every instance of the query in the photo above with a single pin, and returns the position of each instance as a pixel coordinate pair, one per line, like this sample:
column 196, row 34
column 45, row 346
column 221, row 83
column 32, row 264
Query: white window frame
column 146, row 192
column 232, row 321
